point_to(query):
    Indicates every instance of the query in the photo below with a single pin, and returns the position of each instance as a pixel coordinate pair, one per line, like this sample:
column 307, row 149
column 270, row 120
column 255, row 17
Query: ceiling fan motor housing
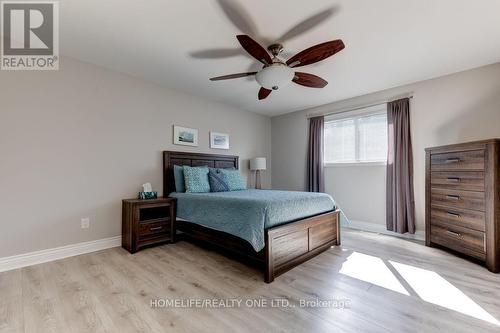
column 275, row 49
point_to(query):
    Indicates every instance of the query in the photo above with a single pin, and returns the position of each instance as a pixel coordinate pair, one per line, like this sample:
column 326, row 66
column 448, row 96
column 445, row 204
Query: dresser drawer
column 465, row 160
column 459, row 217
column 457, row 198
column 467, row 241
column 459, row 180
column 147, row 230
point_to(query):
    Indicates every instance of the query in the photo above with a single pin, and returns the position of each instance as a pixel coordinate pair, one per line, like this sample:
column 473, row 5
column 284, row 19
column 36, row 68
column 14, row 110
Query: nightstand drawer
column 153, row 229
column 464, row 160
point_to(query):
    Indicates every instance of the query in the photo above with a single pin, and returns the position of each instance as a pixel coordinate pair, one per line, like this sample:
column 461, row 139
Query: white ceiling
column 388, row 43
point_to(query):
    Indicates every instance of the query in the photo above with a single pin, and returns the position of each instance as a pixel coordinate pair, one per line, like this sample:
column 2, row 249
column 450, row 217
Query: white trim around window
column 372, row 110
column 355, row 164
column 354, row 144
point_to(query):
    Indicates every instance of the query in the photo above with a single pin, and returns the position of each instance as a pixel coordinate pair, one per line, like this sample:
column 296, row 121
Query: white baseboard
column 39, row 257
column 380, row 229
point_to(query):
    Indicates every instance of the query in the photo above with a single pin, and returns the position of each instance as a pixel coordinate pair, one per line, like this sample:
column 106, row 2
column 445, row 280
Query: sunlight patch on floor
column 372, row 270
column 433, row 288
column 428, row 285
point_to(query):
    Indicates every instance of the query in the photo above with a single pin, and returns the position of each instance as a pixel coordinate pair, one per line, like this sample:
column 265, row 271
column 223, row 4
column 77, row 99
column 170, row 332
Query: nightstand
column 147, row 223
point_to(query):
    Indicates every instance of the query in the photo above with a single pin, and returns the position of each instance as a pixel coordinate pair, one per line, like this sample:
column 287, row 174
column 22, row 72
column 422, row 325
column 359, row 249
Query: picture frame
column 219, row 140
column 185, row 136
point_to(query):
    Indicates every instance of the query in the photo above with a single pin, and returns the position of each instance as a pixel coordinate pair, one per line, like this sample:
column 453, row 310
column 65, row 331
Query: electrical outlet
column 85, row 223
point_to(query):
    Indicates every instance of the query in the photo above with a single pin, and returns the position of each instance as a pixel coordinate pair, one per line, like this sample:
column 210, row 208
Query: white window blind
column 356, row 139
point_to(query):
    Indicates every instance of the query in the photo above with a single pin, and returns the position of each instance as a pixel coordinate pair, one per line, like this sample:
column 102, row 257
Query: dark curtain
column 315, row 170
column 400, row 197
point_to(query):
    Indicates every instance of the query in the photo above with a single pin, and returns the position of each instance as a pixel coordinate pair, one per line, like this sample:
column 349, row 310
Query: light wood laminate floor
column 390, row 284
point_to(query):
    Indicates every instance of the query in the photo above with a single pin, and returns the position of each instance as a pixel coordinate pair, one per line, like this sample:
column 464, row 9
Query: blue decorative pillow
column 217, row 181
column 233, row 179
column 179, row 178
column 196, row 179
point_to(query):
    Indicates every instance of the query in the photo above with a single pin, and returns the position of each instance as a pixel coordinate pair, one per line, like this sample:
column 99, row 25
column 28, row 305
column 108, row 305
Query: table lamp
column 257, row 164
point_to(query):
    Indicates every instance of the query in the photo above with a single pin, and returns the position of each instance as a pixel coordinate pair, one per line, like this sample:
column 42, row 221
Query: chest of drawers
column 463, row 199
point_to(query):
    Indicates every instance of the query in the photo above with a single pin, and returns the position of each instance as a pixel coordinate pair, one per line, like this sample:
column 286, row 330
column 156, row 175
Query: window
column 356, row 139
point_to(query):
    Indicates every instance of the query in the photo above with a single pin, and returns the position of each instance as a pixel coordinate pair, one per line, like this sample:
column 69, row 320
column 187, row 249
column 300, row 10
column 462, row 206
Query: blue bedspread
column 246, row 214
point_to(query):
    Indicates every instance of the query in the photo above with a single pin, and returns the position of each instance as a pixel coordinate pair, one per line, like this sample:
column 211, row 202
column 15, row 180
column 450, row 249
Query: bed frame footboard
column 291, row 244
column 286, row 245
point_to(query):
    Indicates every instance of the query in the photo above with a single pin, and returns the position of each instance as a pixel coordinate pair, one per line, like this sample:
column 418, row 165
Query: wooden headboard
column 171, row 158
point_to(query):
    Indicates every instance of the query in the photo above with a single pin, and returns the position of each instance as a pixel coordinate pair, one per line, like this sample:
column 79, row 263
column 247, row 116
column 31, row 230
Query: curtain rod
column 410, row 96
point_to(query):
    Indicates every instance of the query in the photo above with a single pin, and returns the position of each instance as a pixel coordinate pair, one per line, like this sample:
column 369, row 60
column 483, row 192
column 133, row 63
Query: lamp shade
column 258, row 163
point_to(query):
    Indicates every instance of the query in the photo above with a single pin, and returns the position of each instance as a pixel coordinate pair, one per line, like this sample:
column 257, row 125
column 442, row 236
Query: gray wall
column 455, row 108
column 73, row 143
column 352, row 185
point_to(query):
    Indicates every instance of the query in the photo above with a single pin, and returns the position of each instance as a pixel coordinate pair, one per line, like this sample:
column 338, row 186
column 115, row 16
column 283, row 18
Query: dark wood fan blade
column 254, row 49
column 316, row 53
column 309, row 80
column 263, row 93
column 232, row 76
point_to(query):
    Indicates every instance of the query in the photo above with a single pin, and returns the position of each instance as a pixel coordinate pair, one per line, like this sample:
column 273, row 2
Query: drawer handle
column 453, row 214
column 452, row 160
column 456, row 234
column 453, row 179
column 155, row 228
column 453, row 197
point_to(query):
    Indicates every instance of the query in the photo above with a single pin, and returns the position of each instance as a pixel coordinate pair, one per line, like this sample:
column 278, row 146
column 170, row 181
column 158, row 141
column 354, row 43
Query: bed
column 277, row 230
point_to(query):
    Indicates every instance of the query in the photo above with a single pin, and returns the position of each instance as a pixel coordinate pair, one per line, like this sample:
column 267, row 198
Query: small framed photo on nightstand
column 219, row 140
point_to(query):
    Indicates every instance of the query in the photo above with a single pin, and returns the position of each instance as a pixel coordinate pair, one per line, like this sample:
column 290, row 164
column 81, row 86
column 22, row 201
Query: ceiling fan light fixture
column 276, row 73
column 275, row 76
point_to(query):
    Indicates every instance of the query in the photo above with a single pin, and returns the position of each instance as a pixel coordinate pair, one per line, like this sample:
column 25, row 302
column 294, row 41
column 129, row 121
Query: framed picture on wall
column 185, row 136
column 219, row 140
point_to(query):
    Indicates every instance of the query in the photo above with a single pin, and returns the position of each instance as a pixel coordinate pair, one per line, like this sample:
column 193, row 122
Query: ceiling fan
column 277, row 73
